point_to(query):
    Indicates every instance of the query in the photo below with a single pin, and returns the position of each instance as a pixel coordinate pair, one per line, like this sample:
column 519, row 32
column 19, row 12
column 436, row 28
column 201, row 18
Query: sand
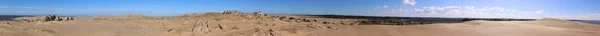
column 471, row 28
column 259, row 25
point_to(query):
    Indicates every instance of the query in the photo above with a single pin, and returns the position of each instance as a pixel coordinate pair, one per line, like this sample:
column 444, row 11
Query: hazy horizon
column 525, row 9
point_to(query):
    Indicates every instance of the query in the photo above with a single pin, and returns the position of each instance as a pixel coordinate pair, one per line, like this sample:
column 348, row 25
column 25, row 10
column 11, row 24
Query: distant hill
column 590, row 21
column 10, row 17
column 378, row 18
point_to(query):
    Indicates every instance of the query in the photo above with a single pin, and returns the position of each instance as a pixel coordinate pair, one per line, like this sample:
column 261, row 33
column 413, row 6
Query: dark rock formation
column 51, row 18
column 55, row 18
column 232, row 12
column 259, row 13
column 67, row 18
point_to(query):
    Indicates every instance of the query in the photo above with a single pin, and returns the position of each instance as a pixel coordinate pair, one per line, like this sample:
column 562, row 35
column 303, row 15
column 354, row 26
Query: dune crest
column 551, row 19
column 541, row 27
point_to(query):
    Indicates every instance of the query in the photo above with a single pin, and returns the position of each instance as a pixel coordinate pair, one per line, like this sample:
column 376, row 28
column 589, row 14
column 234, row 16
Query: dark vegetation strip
column 10, row 17
column 378, row 20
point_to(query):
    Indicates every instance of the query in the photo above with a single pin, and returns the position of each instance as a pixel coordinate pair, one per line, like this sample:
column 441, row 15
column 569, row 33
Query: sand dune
column 544, row 27
column 213, row 24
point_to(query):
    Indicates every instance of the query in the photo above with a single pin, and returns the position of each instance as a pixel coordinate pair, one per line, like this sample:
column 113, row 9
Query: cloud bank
column 381, row 7
column 583, row 17
column 21, row 10
column 467, row 12
column 3, row 7
column 459, row 11
column 409, row 2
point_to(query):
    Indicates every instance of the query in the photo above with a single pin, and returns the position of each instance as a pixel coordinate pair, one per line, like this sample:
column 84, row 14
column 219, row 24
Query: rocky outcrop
column 45, row 18
column 51, row 18
column 56, row 18
column 227, row 12
column 232, row 12
column 67, row 18
column 259, row 13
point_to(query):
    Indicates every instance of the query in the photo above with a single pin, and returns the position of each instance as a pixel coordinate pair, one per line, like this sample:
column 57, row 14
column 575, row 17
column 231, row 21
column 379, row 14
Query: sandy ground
column 257, row 25
column 472, row 28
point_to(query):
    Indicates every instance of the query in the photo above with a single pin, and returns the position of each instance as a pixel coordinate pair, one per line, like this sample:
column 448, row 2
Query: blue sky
column 566, row 9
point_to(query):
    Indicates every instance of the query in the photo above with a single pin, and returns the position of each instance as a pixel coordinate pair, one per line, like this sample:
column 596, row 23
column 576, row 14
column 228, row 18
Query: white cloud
column 3, row 6
column 19, row 10
column 539, row 11
column 584, row 17
column 409, row 2
column 384, row 6
column 59, row 9
column 26, row 7
column 472, row 12
column 459, row 11
column 592, row 16
column 29, row 8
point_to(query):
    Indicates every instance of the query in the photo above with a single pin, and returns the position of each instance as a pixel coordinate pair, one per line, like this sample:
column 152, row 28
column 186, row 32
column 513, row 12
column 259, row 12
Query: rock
column 211, row 13
column 273, row 33
column 325, row 23
column 259, row 13
column 291, row 18
column 221, row 26
column 67, row 18
column 227, row 12
column 355, row 23
column 232, row 12
column 56, row 18
column 283, row 18
column 305, row 20
column 237, row 12
column 50, row 18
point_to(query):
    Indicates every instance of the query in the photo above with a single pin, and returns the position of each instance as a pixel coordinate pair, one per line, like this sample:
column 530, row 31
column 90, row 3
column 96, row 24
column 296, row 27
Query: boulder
column 44, row 18
column 259, row 13
column 55, row 18
column 67, row 18
column 50, row 18
column 227, row 12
